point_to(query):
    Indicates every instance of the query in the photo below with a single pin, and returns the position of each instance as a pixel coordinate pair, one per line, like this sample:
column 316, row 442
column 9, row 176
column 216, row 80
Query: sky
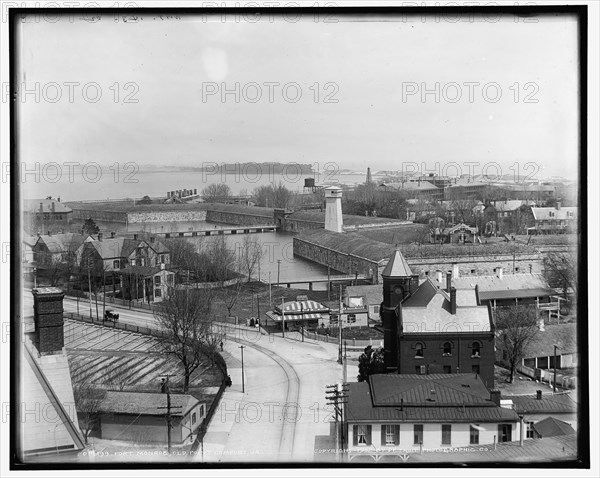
column 507, row 92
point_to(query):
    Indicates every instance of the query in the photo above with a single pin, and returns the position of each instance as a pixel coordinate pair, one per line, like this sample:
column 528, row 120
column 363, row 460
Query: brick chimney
column 52, row 207
column 100, row 235
column 135, row 237
column 438, row 276
column 41, row 207
column 538, row 394
column 448, row 281
column 500, row 272
column 495, row 396
column 48, row 319
column 455, row 271
column 453, row 301
column 112, row 235
column 558, row 205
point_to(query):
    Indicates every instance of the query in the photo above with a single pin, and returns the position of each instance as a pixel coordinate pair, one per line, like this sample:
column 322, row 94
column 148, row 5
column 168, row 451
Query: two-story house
column 554, row 220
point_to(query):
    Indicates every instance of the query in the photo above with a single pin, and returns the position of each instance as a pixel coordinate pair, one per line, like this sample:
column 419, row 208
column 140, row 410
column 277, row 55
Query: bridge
column 220, row 231
column 334, row 280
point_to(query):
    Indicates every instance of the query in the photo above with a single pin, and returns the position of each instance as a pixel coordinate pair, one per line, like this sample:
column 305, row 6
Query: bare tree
column 560, row 270
column 250, row 254
column 215, row 192
column 88, row 402
column 185, row 320
column 222, row 261
column 516, row 327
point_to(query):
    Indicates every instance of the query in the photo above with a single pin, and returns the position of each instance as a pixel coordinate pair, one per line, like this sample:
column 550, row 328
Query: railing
column 335, row 340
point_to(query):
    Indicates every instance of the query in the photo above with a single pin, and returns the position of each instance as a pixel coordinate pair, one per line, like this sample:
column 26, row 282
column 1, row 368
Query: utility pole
column 340, row 327
column 282, row 318
column 89, row 288
column 270, row 295
column 554, row 381
column 258, row 308
column 337, row 396
column 243, row 386
column 328, row 280
column 165, row 389
column 345, row 361
column 278, row 270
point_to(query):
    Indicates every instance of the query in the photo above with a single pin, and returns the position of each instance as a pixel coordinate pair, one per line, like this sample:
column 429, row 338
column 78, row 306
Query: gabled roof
column 140, row 403
column 551, row 427
column 57, row 243
column 549, row 403
column 33, row 206
column 450, row 230
column 397, row 266
column 563, row 335
column 543, row 213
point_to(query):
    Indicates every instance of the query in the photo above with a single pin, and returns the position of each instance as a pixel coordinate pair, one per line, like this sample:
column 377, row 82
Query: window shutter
column 396, row 434
column 383, row 430
column 369, row 427
column 355, row 435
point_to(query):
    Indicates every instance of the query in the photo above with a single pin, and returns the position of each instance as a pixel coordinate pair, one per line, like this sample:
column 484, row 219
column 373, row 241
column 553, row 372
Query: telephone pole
column 165, row 389
column 340, row 327
column 337, row 396
column 243, row 386
column 283, row 318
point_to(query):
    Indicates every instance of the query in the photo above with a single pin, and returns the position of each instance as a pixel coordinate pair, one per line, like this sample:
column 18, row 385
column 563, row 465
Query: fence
column 547, row 376
column 206, row 421
column 335, row 340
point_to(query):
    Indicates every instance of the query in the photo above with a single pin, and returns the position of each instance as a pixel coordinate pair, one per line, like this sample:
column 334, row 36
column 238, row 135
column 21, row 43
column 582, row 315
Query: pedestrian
column 221, row 346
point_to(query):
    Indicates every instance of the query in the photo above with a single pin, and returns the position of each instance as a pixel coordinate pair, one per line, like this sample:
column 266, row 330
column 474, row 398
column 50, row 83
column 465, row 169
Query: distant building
column 552, row 427
column 371, row 299
column 465, row 188
column 429, row 330
column 390, row 414
column 414, row 188
column 554, row 220
column 57, row 248
column 46, row 216
column 458, row 234
column 141, row 417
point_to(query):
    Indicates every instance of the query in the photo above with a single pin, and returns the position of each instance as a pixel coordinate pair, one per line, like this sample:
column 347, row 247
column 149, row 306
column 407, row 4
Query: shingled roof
column 549, row 403
column 397, row 266
column 551, row 427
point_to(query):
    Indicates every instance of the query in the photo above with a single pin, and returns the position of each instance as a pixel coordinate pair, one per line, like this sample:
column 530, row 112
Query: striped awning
column 296, row 317
column 299, row 307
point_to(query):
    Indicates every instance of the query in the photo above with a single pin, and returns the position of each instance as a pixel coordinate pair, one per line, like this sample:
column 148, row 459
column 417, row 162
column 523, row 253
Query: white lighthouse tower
column 333, row 209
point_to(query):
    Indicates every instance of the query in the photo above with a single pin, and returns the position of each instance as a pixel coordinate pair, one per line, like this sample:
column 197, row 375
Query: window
column 447, row 368
column 551, row 213
column 475, row 368
column 419, row 350
column 418, row 435
column 351, row 318
column 517, row 269
column 421, row 370
column 156, row 280
column 132, row 262
column 157, row 292
column 376, row 309
column 529, row 429
column 142, row 262
column 504, row 432
column 447, row 348
column 193, row 418
column 474, row 435
column 170, row 279
column 202, row 410
column 390, row 435
column 475, row 349
column 361, row 435
column 472, row 271
column 333, row 319
column 446, row 434
column 116, row 264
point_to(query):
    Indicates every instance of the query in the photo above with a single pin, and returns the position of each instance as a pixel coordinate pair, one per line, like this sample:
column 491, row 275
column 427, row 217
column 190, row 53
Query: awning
column 293, row 318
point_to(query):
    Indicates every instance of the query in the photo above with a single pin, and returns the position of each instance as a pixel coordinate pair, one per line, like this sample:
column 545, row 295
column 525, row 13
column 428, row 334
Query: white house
column 391, row 415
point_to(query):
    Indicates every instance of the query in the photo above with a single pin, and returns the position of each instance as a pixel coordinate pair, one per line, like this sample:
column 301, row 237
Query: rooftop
column 428, row 311
column 563, row 335
column 397, row 266
column 348, row 219
column 549, row 403
column 142, row 403
column 33, row 206
column 550, row 427
column 409, row 398
column 543, row 213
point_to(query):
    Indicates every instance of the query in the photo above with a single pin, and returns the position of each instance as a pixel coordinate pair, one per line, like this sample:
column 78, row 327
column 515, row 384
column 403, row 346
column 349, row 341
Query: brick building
column 431, row 330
